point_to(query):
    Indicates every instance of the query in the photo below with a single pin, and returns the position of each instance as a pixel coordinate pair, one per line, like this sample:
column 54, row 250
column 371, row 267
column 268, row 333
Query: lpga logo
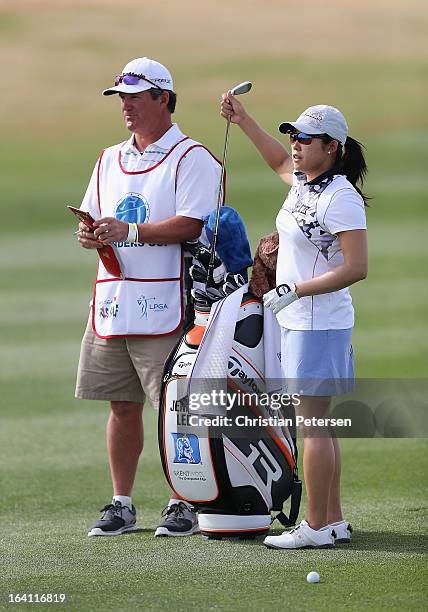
column 143, row 303
column 149, row 305
column 186, row 447
column 133, row 208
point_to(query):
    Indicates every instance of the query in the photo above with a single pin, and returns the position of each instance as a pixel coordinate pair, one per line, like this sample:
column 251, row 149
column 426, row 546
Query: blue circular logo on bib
column 133, row 208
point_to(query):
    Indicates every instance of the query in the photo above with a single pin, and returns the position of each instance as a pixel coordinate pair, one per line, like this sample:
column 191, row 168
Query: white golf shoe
column 342, row 532
column 302, row 536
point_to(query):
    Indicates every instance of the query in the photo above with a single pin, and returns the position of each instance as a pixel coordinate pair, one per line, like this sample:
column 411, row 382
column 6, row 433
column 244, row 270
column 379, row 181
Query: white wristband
column 132, row 233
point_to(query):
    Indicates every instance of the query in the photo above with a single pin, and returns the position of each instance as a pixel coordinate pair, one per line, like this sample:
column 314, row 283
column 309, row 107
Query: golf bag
column 234, row 476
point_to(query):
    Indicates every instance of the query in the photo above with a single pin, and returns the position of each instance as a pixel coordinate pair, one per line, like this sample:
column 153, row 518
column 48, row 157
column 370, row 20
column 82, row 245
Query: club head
column 242, row 88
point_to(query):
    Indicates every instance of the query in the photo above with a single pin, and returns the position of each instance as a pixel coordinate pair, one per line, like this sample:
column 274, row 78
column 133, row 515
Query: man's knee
column 126, row 410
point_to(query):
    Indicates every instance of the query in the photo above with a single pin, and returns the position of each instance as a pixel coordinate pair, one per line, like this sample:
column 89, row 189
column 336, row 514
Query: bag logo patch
column 186, row 447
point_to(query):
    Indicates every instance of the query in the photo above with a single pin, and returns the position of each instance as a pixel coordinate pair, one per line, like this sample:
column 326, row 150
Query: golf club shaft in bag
column 238, row 90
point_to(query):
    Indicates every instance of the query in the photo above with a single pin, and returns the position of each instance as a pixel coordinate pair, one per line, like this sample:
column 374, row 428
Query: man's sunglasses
column 131, row 78
column 304, row 139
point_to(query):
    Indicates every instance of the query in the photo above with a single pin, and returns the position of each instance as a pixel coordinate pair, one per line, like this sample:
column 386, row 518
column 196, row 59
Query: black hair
column 351, row 162
column 172, row 100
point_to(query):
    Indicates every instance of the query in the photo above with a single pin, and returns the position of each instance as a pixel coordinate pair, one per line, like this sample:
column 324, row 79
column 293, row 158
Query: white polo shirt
column 308, row 223
column 198, row 175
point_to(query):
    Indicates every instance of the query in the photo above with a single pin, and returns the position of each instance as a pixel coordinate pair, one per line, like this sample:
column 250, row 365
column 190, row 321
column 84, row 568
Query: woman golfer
column 322, row 251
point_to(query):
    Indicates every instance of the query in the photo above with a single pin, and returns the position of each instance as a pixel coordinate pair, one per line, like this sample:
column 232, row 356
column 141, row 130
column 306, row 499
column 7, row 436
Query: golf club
column 238, row 90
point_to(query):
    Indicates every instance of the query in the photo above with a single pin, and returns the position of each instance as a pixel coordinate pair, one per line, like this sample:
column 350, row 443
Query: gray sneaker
column 116, row 519
column 179, row 520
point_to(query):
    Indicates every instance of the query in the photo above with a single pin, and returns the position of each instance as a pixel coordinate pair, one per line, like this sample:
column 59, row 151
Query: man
column 148, row 195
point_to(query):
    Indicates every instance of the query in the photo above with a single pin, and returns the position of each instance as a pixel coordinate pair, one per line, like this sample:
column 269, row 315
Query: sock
column 173, row 500
column 338, row 523
column 124, row 500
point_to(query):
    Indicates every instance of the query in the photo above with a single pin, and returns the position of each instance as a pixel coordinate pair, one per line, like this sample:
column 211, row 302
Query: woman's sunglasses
column 132, row 79
column 304, row 139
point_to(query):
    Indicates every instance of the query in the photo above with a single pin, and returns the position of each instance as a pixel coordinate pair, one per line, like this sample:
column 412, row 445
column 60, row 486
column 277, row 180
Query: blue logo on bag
column 133, row 208
column 186, row 448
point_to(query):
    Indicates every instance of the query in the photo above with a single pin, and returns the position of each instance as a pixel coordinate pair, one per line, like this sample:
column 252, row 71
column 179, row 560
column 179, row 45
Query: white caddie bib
column 148, row 299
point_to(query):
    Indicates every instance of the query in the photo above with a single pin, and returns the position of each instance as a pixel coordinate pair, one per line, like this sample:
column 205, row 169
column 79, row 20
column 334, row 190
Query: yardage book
column 106, row 252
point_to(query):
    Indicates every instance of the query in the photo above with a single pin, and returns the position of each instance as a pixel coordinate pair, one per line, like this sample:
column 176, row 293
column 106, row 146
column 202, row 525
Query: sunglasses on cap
column 305, row 139
column 130, row 78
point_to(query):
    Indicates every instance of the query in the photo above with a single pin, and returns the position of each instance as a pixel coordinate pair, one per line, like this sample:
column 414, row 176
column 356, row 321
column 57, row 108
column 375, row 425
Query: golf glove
column 280, row 297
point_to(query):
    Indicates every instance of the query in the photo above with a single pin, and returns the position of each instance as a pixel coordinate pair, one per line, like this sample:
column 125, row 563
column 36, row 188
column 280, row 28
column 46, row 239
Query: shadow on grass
column 235, row 539
column 385, row 541
column 390, row 541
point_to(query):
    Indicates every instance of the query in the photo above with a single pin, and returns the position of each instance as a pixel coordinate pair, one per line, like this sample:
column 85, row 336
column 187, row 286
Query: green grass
column 54, row 473
column 368, row 60
column 58, row 477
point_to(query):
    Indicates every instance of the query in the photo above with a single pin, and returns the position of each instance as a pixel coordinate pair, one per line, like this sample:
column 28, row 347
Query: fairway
column 60, row 478
column 370, row 60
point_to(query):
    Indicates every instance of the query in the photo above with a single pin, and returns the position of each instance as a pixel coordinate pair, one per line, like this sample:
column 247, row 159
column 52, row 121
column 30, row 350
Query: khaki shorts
column 122, row 369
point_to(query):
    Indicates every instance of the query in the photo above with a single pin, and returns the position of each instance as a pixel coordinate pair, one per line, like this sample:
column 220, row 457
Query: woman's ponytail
column 353, row 164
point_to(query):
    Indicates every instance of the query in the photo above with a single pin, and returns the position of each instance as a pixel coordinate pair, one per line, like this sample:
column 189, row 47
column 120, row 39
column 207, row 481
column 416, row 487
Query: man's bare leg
column 125, row 440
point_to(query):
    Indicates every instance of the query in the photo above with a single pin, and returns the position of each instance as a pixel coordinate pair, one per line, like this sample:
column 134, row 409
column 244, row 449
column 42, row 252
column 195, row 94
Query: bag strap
column 189, row 315
column 295, row 499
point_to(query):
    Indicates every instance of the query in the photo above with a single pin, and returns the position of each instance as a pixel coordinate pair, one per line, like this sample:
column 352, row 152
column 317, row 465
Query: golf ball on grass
column 313, row 577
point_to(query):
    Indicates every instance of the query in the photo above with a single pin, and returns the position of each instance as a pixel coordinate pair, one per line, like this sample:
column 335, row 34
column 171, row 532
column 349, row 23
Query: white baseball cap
column 320, row 119
column 151, row 73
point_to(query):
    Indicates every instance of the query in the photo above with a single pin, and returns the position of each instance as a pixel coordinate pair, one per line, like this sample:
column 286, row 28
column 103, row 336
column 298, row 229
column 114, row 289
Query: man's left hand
column 109, row 229
column 280, row 297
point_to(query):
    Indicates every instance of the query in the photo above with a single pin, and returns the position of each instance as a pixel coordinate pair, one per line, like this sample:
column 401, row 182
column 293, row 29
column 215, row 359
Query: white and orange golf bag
column 235, row 476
